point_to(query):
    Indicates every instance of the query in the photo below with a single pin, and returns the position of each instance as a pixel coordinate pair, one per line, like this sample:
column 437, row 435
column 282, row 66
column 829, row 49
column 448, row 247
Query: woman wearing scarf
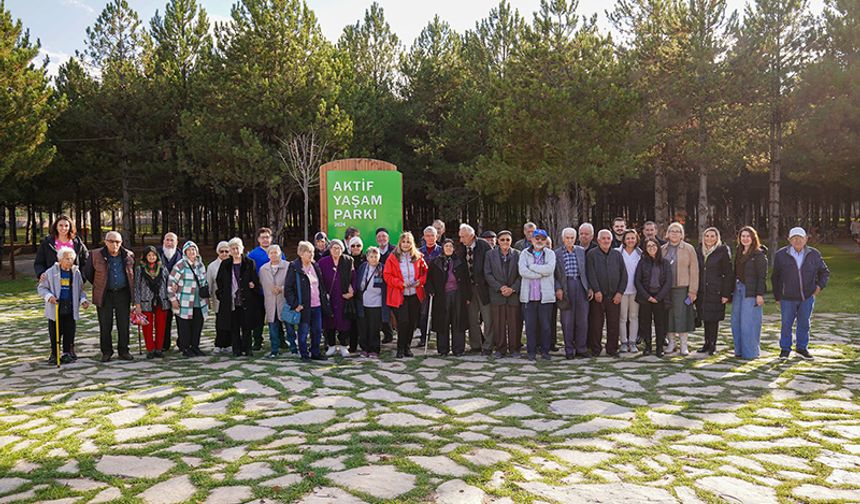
column 685, row 286
column 273, row 275
column 337, row 275
column 185, row 286
column 151, row 300
column 715, row 285
column 448, row 282
column 222, row 337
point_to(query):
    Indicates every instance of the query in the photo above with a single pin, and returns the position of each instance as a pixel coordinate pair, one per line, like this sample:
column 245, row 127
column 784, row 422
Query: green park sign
column 364, row 199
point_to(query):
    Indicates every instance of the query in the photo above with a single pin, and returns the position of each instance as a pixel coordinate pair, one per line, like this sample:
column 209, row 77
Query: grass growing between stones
column 252, row 430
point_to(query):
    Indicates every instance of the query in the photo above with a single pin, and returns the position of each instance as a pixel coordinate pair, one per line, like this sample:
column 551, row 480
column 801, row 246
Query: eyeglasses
column 114, row 241
column 355, row 246
column 223, row 251
column 539, row 238
column 504, row 239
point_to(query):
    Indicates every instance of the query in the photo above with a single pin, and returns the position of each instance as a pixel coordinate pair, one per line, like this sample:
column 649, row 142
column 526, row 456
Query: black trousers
column 167, row 325
column 115, row 305
column 240, row 336
column 450, row 338
column 711, row 327
column 659, row 314
column 223, row 337
column 334, row 337
column 408, row 315
column 369, row 327
column 189, row 331
column 67, row 333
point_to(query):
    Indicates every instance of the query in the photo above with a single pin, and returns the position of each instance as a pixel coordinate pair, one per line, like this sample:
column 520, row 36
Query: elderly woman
column 369, row 287
column 448, row 283
column 405, row 274
column 748, row 298
column 685, row 286
column 62, row 288
column 356, row 247
column 337, row 276
column 239, row 309
column 151, row 299
column 63, row 234
column 716, row 282
column 222, row 337
column 186, row 284
column 320, row 246
column 273, row 275
column 307, row 295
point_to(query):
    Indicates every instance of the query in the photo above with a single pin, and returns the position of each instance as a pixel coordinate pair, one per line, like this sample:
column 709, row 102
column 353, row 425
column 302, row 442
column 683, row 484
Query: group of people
column 647, row 291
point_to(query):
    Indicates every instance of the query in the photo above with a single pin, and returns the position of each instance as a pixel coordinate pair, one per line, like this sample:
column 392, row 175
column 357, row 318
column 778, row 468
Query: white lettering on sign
column 353, row 185
column 357, row 200
column 367, row 213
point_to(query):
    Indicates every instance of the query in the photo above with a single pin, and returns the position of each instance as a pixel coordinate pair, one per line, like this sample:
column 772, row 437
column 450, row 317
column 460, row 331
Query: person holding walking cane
column 62, row 288
column 449, row 286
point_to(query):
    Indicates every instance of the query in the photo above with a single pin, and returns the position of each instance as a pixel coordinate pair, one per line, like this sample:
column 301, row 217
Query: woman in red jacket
column 405, row 274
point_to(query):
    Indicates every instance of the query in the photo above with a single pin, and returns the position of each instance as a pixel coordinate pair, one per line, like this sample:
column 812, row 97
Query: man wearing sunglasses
column 111, row 271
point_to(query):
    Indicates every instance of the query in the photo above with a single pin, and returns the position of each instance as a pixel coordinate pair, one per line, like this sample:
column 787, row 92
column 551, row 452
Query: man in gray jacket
column 501, row 269
column 607, row 277
column 573, row 293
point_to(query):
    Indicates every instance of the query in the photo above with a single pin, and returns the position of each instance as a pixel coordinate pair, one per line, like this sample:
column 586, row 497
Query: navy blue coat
column 793, row 284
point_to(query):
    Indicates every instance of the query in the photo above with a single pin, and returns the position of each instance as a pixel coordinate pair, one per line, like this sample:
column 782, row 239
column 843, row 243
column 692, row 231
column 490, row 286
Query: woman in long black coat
column 716, row 281
column 240, row 310
column 449, row 316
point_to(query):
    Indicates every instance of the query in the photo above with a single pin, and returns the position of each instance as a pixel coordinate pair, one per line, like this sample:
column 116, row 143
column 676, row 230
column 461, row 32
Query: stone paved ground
column 456, row 431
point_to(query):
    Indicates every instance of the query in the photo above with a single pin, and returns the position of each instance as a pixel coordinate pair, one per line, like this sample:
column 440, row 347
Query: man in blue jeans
column 799, row 274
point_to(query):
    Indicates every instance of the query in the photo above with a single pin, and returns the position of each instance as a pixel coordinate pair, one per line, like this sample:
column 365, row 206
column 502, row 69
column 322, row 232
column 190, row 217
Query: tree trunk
column 702, row 212
column 661, row 197
column 127, row 227
column 774, row 182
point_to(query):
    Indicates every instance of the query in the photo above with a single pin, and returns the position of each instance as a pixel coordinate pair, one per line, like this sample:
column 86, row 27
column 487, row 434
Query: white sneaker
column 227, row 350
column 344, row 352
column 623, row 348
column 331, row 350
column 633, row 348
column 684, row 350
column 216, row 350
column 671, row 346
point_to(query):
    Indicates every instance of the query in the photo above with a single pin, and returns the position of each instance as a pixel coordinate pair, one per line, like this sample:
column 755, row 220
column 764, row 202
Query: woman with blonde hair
column 306, row 294
column 405, row 273
column 715, row 285
column 684, row 276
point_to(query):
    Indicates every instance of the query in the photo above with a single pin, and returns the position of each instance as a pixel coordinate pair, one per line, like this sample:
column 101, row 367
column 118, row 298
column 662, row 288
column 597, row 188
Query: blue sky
column 61, row 24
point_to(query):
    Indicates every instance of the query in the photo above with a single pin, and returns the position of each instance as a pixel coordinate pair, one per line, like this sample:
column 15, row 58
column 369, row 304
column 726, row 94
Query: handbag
column 289, row 315
column 202, row 291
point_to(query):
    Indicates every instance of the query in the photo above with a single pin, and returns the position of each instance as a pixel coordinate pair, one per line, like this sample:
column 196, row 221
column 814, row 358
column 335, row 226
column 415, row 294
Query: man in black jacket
column 169, row 257
column 607, row 277
column 473, row 251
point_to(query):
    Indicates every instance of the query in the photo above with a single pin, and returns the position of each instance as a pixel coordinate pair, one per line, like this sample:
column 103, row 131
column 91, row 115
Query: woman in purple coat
column 337, row 276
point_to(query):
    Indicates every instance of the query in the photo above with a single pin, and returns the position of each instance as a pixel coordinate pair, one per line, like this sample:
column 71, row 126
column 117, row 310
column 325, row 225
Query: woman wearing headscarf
column 449, row 284
column 151, row 299
column 185, row 288
column 715, row 285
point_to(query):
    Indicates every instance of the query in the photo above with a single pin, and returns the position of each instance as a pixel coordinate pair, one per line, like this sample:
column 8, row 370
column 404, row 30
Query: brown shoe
column 105, row 358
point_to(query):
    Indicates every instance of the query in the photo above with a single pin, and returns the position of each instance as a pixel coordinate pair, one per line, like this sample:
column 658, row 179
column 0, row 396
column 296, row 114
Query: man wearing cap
column 473, row 251
column 799, row 274
column 489, row 237
column 537, row 294
column 501, row 269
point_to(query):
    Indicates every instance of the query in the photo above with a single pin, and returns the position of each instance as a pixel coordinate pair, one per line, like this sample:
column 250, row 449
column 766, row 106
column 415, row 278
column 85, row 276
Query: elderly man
column 439, row 225
column 573, row 293
column 489, row 236
column 111, row 271
column 619, row 225
column 473, row 252
column 528, row 232
column 799, row 274
column 537, row 294
column 167, row 251
column 586, row 237
column 431, row 250
column 501, row 269
column 607, row 277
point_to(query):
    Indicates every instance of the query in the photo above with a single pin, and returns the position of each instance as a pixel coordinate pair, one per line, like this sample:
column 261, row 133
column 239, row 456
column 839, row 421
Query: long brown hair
column 73, row 231
column 756, row 243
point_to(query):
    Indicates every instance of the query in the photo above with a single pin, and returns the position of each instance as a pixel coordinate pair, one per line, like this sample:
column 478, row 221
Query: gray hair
column 469, row 229
column 222, row 245
column 586, row 225
column 568, row 230
column 275, row 246
column 236, row 242
column 431, row 229
column 372, row 251
column 529, row 225
column 66, row 251
column 115, row 234
column 604, row 232
column 304, row 246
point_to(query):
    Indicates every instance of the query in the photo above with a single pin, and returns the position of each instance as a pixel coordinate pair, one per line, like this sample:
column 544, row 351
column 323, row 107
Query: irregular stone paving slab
column 335, row 402
column 594, row 425
column 133, row 467
column 311, row 417
column 174, row 490
column 600, row 493
column 141, row 432
column 458, row 492
column 737, row 490
column 401, row 420
column 229, row 495
column 283, row 481
column 664, row 420
column 248, row 432
column 10, row 484
column 383, row 395
column 816, row 492
column 126, row 416
column 486, row 456
column 582, row 458
column 254, row 471
column 107, row 495
column 382, row 481
column 330, row 495
column 516, row 410
column 586, row 407
column 461, row 406
column 440, row 465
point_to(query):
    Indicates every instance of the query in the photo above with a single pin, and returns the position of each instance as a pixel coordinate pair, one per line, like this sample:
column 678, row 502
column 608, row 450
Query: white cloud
column 80, row 5
column 56, row 58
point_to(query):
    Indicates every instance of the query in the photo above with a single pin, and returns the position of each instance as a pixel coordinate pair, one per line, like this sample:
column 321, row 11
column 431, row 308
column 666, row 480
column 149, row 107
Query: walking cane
column 57, row 329
column 139, row 351
column 429, row 318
